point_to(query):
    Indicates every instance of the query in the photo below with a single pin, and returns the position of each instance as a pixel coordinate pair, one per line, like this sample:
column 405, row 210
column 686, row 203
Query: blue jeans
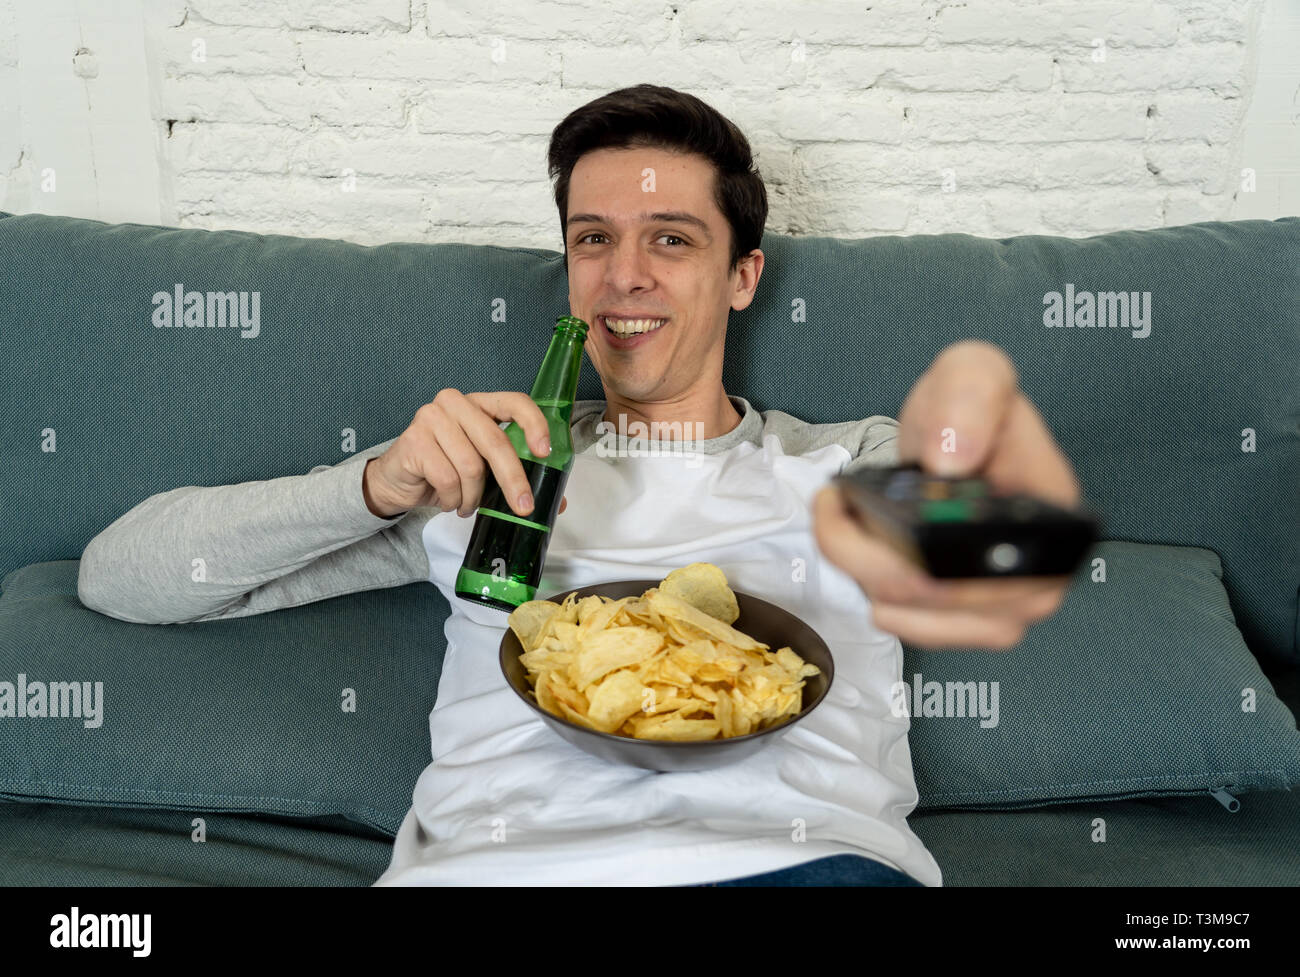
column 831, row 870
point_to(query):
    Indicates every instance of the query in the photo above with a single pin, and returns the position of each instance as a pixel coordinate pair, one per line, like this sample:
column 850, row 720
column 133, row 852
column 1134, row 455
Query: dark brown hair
column 663, row 118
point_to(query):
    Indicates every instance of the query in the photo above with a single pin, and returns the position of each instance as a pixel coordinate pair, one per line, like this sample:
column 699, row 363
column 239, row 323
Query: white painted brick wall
column 1270, row 134
column 993, row 117
column 10, row 96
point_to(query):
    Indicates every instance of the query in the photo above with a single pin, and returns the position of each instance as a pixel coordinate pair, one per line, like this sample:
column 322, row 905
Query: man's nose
column 629, row 267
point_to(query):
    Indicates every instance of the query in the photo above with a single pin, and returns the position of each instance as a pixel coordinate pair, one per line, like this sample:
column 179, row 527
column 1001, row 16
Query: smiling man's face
column 654, row 255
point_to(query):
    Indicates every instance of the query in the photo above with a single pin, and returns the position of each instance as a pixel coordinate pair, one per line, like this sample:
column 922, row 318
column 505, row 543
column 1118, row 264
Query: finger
column 564, row 503
column 508, row 405
column 492, row 443
column 1027, row 459
column 471, row 469
column 435, row 468
column 878, row 568
column 954, row 413
column 947, row 629
column 1027, row 597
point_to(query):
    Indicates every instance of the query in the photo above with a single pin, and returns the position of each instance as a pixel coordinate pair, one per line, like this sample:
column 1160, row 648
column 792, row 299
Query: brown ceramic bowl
column 766, row 622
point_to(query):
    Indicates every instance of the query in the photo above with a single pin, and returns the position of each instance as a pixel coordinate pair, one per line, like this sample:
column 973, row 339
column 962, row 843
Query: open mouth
column 630, row 328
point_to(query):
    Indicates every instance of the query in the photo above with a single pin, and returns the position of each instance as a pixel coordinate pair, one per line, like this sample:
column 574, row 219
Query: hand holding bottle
column 506, row 550
column 442, row 458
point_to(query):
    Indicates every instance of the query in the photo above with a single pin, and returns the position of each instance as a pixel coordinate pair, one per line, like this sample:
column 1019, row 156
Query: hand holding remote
column 961, row 527
column 964, row 417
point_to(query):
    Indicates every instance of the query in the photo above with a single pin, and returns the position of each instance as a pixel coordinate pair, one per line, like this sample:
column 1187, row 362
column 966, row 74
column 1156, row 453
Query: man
column 662, row 212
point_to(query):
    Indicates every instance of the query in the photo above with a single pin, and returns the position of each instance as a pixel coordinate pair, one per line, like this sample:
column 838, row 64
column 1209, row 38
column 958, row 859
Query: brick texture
column 379, row 120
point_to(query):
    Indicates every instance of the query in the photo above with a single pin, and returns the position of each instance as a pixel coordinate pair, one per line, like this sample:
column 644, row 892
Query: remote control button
column 1003, row 557
column 935, row 490
column 946, row 510
column 1022, row 509
column 970, row 488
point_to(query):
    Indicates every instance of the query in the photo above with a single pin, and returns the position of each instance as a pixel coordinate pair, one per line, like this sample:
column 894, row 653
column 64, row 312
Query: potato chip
column 569, row 609
column 692, row 655
column 602, row 617
column 542, row 693
column 713, row 673
column 671, row 672
column 682, row 730
column 571, row 714
column 662, row 692
column 564, row 633
column 743, row 714
column 614, row 699
column 588, row 606
column 684, row 633
column 705, row 692
column 665, row 666
column 604, row 651
column 565, row 693
column 669, row 606
column 565, row 614
column 528, row 619
column 722, row 710
column 692, row 706
column 547, row 659
column 791, row 662
column 703, row 586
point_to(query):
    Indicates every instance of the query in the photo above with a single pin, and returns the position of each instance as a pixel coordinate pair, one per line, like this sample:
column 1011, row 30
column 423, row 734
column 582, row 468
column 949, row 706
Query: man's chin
column 627, row 389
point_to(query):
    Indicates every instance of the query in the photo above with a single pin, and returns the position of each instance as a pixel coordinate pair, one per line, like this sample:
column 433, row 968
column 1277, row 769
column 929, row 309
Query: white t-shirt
column 507, row 801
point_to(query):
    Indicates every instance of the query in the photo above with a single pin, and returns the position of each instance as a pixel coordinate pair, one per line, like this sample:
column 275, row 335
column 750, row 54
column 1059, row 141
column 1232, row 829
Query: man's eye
column 591, row 234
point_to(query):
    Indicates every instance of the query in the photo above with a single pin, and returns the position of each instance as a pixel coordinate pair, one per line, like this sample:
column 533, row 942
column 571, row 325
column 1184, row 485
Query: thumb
column 953, row 417
column 564, row 503
column 961, row 448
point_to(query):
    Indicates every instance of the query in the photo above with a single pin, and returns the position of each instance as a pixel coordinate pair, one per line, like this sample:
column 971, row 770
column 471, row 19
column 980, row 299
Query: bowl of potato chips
column 675, row 674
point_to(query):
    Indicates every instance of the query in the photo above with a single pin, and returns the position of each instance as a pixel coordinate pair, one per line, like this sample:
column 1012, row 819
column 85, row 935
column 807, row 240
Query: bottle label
column 546, row 484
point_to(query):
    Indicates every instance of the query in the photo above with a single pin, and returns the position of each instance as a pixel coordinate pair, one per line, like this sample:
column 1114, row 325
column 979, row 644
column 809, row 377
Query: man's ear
column 750, row 270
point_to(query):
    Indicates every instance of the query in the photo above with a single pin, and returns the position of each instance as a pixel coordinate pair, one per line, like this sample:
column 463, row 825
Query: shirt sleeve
column 877, row 445
column 206, row 553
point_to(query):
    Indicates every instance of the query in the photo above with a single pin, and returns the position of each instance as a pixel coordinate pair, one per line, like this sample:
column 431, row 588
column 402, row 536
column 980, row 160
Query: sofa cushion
column 109, row 409
column 64, row 845
column 1151, row 841
column 249, row 714
column 1140, row 685
column 1133, row 689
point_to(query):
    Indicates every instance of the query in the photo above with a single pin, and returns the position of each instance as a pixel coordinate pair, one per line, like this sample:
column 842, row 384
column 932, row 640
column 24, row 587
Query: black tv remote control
column 958, row 527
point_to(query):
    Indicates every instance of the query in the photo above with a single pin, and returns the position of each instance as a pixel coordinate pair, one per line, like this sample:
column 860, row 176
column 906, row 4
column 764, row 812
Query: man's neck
column 695, row 418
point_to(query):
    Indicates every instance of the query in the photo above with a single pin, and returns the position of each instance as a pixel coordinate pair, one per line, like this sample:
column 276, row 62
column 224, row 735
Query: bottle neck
column 556, row 385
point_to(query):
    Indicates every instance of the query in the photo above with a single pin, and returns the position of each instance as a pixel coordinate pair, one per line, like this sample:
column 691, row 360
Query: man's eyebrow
column 671, row 216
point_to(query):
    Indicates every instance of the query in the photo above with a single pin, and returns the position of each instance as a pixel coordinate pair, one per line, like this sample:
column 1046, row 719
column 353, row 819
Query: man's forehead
column 635, row 157
column 637, row 172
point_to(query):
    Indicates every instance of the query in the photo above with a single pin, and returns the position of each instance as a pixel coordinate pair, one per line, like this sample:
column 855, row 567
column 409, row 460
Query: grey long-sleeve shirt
column 201, row 553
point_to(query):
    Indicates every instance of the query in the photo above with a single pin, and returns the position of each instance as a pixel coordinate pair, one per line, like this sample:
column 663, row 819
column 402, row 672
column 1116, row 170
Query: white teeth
column 632, row 327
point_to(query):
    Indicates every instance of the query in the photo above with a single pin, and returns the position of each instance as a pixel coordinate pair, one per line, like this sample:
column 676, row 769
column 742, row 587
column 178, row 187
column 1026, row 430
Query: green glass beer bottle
column 503, row 563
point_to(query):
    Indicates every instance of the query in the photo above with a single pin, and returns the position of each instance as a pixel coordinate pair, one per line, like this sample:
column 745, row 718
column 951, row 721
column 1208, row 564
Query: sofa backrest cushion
column 1187, row 435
